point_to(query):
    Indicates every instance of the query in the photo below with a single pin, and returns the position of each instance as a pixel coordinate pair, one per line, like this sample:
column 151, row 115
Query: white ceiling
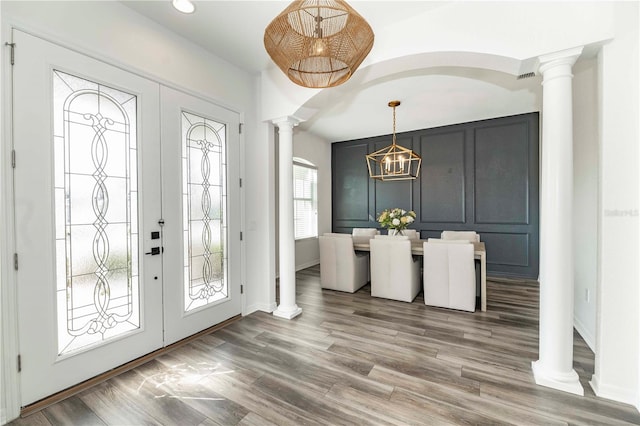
column 233, row 30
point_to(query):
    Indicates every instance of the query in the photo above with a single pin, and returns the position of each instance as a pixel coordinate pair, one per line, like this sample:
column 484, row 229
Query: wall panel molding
column 442, row 178
column 481, row 176
column 501, row 162
column 352, row 183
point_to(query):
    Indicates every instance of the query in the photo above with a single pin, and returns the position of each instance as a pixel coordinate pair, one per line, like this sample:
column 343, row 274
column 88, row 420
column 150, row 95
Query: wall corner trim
column 585, row 333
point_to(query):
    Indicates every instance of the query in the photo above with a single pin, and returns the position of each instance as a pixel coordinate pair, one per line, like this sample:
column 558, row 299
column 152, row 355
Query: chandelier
column 318, row 43
column 394, row 162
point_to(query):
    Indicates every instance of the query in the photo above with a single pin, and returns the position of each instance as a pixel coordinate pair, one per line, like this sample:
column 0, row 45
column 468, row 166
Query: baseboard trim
column 507, row 277
column 66, row 393
column 614, row 393
column 307, row 265
column 264, row 307
column 589, row 338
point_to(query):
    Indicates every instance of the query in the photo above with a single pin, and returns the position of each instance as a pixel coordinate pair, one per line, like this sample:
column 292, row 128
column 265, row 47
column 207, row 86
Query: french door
column 122, row 231
column 200, row 154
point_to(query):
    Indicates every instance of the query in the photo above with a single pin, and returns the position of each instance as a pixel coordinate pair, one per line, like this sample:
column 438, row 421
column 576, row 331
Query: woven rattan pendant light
column 318, row 43
column 394, row 162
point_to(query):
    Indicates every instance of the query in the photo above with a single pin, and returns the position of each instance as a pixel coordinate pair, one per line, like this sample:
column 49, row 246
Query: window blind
column 305, row 201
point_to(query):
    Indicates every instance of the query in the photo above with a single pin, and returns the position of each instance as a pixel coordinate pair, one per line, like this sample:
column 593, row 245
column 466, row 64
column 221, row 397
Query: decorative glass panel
column 204, row 197
column 95, row 204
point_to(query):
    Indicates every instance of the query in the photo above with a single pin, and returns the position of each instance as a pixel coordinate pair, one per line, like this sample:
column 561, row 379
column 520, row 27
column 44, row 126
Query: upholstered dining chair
column 363, row 235
column 449, row 274
column 341, row 268
column 395, row 273
column 362, row 232
column 471, row 236
column 411, row 233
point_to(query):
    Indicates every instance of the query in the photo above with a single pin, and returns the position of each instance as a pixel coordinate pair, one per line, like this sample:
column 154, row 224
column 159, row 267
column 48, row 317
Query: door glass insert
column 204, row 210
column 96, row 202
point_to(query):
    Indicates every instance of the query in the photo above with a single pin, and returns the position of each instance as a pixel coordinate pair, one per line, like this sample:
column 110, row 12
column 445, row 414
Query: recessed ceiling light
column 184, row 6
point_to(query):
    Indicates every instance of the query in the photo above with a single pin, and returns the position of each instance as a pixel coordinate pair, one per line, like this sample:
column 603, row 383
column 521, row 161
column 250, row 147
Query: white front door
column 92, row 290
column 201, row 262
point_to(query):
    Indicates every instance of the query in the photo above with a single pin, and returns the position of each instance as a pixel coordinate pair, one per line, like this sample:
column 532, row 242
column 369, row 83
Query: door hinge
column 240, row 127
column 13, row 52
column 13, row 158
column 240, row 182
column 241, row 289
column 15, row 261
column 19, row 363
column 240, row 235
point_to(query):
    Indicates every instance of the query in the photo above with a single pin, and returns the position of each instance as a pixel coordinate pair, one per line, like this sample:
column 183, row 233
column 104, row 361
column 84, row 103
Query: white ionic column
column 287, row 307
column 554, row 368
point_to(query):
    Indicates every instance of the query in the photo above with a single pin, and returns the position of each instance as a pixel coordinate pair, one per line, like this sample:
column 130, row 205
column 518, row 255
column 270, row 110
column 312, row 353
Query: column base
column 288, row 312
column 567, row 382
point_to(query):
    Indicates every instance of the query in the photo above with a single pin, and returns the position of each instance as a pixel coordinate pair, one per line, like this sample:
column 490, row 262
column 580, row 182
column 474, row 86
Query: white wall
column 317, row 151
column 617, row 358
column 585, row 197
column 260, row 214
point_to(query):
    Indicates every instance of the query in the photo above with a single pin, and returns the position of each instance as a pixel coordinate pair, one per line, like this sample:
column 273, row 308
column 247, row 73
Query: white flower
column 403, row 212
column 392, row 214
column 409, row 219
column 396, row 222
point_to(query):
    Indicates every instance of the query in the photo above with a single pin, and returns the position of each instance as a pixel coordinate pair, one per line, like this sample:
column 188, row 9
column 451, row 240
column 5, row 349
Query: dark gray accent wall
column 480, row 176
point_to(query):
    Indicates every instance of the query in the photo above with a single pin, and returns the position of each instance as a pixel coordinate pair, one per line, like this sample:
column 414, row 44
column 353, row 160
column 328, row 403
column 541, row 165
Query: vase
column 397, row 232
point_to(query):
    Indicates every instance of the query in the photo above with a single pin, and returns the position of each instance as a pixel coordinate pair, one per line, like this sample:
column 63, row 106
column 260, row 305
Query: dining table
column 417, row 248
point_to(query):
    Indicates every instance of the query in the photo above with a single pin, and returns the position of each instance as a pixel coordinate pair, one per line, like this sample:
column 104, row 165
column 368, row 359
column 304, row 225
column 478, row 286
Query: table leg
column 483, row 281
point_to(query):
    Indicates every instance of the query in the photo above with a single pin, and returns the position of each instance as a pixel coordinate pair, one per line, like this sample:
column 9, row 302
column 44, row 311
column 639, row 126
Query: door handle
column 154, row 251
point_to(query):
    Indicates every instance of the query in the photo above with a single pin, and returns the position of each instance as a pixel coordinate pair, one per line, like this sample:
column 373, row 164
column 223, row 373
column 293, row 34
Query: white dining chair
column 363, row 235
column 411, row 233
column 341, row 268
column 395, row 273
column 471, row 236
column 365, row 232
column 449, row 274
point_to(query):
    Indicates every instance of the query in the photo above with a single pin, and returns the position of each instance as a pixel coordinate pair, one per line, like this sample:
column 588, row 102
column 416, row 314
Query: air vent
column 526, row 75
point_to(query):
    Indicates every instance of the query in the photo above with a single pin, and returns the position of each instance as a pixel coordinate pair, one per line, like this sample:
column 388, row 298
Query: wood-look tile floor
column 351, row 359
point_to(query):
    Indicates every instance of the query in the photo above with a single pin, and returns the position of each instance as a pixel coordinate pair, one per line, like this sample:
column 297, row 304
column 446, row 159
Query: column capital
column 287, row 122
column 563, row 57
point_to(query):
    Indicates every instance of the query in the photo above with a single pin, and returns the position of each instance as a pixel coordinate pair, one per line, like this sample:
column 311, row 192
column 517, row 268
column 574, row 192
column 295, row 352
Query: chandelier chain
column 393, row 139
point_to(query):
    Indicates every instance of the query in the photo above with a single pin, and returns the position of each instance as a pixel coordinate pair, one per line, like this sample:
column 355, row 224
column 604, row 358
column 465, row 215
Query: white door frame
column 10, row 404
column 8, row 294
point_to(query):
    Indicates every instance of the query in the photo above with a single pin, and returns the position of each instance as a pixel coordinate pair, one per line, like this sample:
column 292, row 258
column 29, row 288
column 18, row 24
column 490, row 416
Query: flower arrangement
column 397, row 219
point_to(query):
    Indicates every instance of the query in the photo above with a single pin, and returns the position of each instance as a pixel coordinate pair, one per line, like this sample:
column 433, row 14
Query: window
column 204, row 189
column 96, row 204
column 305, row 199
